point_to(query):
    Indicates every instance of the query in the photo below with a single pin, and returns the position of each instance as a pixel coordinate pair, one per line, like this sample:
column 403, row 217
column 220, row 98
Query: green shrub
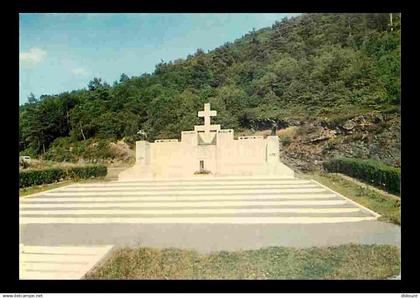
column 59, row 154
column 370, row 171
column 37, row 177
column 45, row 176
column 102, row 150
column 59, row 151
column 79, row 148
column 286, row 140
column 87, row 172
column 28, row 151
column 93, row 150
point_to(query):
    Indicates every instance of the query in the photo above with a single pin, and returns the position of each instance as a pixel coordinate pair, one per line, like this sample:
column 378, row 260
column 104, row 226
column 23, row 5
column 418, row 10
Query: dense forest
column 314, row 66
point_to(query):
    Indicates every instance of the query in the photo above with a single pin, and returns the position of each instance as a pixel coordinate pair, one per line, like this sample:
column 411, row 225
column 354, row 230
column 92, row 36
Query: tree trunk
column 67, row 119
column 390, row 20
column 83, row 135
column 349, row 27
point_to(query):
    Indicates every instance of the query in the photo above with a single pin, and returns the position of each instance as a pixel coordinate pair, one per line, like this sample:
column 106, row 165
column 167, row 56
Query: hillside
column 335, row 77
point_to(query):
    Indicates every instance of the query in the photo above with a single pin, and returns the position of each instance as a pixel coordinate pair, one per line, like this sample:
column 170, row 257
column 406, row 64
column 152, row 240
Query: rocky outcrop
column 372, row 135
column 122, row 151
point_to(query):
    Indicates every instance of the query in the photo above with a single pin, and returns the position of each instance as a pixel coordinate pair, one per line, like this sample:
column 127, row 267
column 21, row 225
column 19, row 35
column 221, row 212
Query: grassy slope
column 342, row 262
column 26, row 191
column 39, row 188
column 384, row 204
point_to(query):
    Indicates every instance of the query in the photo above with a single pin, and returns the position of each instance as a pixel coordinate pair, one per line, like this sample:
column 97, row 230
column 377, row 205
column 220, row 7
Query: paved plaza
column 205, row 214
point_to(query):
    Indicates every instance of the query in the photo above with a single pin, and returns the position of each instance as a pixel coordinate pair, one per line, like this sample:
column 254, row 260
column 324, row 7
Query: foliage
column 385, row 204
column 37, row 177
column 60, row 151
column 51, row 175
column 300, row 66
column 349, row 261
column 371, row 171
column 285, row 140
column 92, row 150
column 87, row 172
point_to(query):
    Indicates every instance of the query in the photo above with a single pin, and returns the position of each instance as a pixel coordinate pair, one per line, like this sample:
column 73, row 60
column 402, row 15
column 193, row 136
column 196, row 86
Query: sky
column 62, row 52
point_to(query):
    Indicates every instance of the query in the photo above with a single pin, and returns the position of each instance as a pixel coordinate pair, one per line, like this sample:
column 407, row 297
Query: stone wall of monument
column 251, row 156
column 244, row 156
column 208, row 148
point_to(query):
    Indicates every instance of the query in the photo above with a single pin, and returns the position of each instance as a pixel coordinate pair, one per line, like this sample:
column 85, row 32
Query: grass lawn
column 341, row 262
column 38, row 188
column 386, row 205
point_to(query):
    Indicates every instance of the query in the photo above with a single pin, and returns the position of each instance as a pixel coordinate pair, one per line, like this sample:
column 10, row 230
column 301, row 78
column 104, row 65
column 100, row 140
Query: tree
column 95, row 84
column 307, row 64
column 32, row 99
column 124, row 78
column 85, row 119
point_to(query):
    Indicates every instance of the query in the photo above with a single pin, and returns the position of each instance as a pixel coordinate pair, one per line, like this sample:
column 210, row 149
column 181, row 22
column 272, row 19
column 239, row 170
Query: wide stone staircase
column 201, row 200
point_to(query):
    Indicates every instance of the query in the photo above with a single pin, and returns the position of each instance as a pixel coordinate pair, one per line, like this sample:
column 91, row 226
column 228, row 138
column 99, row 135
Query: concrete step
column 192, row 220
column 182, row 187
column 201, row 211
column 211, row 179
column 196, row 183
column 198, row 204
column 59, row 262
column 140, row 198
column 227, row 200
column 186, row 192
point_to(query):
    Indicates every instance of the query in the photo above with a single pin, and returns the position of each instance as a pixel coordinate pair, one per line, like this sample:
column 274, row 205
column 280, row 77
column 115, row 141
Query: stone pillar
column 142, row 153
column 273, row 148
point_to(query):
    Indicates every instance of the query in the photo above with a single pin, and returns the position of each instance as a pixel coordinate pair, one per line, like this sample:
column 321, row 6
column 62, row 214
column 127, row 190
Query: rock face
column 372, row 135
column 122, row 151
column 349, row 125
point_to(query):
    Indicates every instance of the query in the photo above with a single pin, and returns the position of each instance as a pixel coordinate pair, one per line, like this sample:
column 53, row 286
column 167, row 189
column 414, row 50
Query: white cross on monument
column 207, row 113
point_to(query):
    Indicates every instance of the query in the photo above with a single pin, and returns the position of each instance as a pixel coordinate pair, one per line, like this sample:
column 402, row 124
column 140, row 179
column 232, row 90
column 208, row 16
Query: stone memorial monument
column 208, row 150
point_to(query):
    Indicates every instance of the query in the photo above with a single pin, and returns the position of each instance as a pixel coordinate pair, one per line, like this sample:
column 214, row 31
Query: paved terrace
column 203, row 214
